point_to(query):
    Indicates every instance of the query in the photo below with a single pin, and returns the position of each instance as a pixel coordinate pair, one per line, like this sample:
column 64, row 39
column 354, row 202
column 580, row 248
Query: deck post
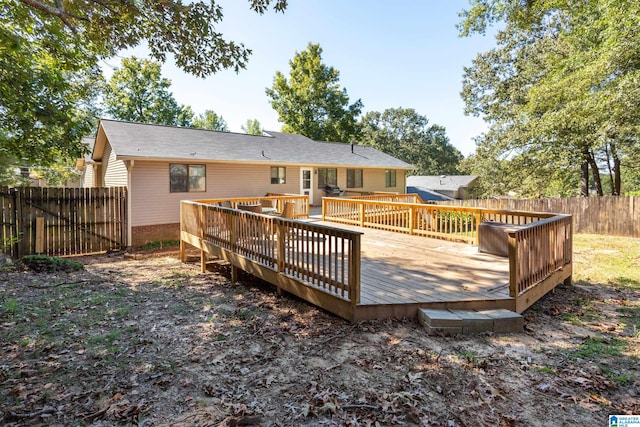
column 354, row 271
column 280, row 255
column 412, row 218
column 361, row 210
column 203, row 254
column 182, row 204
column 234, row 273
column 324, row 209
column 513, row 264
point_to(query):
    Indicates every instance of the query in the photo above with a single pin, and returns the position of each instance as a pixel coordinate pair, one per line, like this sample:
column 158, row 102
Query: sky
column 389, row 54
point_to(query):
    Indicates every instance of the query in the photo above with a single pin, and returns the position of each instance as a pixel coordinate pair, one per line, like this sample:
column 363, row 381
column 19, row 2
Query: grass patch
column 159, row 245
column 597, row 348
column 9, row 307
column 48, row 264
column 546, row 370
column 607, row 260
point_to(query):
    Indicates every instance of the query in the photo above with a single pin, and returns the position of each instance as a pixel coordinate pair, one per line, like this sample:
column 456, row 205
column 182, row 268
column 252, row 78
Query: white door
column 306, row 183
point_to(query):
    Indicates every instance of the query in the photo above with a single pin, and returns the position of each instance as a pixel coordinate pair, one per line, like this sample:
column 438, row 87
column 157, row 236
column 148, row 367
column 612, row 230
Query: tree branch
column 58, row 12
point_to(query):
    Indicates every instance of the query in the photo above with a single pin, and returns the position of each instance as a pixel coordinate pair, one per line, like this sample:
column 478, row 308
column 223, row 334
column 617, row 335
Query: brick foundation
column 154, row 233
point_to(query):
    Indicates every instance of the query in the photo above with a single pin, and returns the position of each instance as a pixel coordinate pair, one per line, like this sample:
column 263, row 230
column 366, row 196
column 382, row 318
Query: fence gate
column 62, row 221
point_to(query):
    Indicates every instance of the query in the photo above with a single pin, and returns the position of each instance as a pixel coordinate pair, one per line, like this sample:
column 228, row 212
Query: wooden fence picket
column 76, row 221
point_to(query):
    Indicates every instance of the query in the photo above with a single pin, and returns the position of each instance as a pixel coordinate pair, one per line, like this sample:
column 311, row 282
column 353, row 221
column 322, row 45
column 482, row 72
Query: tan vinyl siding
column 87, row 179
column 115, row 171
column 373, row 180
column 152, row 203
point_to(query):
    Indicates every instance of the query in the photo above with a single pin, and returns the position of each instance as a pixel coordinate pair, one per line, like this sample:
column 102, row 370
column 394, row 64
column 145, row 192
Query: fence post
column 19, row 223
column 39, row 234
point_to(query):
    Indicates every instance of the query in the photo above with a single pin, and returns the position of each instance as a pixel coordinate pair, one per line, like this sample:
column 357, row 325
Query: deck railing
column 301, row 209
column 388, row 197
column 318, row 263
column 540, row 247
column 538, row 253
column 454, row 223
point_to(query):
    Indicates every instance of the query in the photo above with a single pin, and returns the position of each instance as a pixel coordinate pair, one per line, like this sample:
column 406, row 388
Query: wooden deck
column 392, row 266
column 401, row 273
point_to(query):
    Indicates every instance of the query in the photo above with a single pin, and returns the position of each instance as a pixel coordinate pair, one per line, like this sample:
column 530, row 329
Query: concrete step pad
column 452, row 322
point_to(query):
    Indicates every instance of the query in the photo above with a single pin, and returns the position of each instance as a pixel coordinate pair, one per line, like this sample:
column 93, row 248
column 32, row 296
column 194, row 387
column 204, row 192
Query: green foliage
column 405, row 134
column 184, row 29
column 47, row 264
column 137, row 92
column 47, row 88
column 159, row 245
column 210, row 120
column 560, row 89
column 50, row 51
column 252, row 127
column 596, row 348
column 311, row 102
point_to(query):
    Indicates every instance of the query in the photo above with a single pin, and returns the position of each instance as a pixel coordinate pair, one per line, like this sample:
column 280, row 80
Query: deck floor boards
column 402, row 269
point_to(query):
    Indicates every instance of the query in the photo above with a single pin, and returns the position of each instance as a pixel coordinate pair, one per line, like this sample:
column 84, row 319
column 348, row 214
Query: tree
column 561, row 87
column 46, row 105
column 311, row 101
column 210, row 120
column 186, row 30
column 137, row 92
column 50, row 51
column 407, row 135
column 252, row 127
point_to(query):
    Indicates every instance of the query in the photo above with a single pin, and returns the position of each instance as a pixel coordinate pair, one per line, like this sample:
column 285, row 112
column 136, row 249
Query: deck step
column 453, row 322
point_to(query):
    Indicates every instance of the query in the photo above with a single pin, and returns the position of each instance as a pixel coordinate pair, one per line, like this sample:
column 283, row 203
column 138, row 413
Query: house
column 442, row 187
column 161, row 165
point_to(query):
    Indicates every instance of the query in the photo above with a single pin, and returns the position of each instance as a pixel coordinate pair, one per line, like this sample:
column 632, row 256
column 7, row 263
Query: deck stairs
column 454, row 322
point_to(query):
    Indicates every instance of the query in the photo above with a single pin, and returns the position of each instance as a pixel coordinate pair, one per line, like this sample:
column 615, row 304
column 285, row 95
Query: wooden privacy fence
column 62, row 221
column 613, row 215
column 301, row 209
column 539, row 243
column 318, row 263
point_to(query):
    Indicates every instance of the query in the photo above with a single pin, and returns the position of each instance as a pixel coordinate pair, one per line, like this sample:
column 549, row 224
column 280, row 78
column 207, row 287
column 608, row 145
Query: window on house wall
column 390, row 178
column 187, row 178
column 278, row 175
column 327, row 176
column 354, row 178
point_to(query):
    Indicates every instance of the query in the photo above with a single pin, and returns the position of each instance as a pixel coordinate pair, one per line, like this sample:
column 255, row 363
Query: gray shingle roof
column 143, row 141
column 441, row 182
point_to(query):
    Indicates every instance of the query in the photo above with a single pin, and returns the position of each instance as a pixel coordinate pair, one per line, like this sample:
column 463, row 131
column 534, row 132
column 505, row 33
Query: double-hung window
column 354, row 178
column 278, row 175
column 327, row 176
column 390, row 178
column 187, row 178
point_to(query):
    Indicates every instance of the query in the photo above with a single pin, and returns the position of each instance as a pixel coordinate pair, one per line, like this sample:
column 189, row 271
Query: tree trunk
column 617, row 182
column 611, row 179
column 584, row 176
column 595, row 172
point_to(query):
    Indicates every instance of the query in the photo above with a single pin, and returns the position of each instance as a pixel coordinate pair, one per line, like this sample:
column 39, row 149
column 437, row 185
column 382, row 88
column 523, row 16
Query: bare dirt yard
column 154, row 342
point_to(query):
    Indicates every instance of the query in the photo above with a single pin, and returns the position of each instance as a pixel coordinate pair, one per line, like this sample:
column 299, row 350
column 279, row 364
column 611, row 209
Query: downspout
column 129, row 164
